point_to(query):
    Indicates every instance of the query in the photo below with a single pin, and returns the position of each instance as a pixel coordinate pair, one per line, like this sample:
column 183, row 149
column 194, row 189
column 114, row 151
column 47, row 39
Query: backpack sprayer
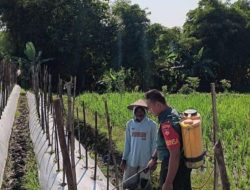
column 192, row 139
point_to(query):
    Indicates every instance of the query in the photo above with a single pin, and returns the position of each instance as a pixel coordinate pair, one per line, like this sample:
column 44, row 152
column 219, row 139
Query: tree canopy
column 94, row 40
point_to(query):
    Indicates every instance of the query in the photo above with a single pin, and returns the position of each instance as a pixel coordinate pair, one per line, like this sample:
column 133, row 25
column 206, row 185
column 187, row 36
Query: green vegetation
column 31, row 181
column 234, row 119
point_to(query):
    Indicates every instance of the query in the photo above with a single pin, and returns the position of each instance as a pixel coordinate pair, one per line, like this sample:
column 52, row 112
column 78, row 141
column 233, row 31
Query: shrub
column 114, row 80
column 191, row 85
column 225, row 85
column 164, row 89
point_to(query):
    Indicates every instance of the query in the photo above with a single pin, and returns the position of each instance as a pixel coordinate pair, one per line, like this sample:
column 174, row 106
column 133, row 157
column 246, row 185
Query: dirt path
column 20, row 149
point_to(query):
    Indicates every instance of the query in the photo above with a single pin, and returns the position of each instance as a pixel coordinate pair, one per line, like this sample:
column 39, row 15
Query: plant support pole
column 215, row 130
column 65, row 153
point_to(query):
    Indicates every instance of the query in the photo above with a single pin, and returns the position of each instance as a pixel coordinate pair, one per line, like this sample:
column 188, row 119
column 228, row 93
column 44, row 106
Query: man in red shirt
column 174, row 174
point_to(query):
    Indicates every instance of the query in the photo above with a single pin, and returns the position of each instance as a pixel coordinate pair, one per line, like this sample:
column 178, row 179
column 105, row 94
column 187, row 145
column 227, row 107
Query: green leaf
column 200, row 53
column 30, row 51
column 111, row 75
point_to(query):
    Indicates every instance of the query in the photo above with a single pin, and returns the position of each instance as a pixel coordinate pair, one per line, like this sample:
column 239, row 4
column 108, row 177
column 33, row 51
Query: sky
column 169, row 13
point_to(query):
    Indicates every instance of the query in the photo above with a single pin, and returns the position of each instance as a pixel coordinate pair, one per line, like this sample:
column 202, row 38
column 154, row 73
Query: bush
column 164, row 89
column 118, row 81
column 191, row 85
column 137, row 88
column 185, row 89
column 225, row 85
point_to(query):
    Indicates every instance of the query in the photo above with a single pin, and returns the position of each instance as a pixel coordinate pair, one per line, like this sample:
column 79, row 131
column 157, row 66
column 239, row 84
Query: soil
column 19, row 146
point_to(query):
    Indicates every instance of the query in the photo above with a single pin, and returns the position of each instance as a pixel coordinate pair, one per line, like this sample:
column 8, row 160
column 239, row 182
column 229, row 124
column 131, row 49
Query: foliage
column 192, row 83
column 115, row 81
column 133, row 52
column 32, row 63
column 31, row 180
column 223, row 31
column 77, row 34
column 119, row 81
column 5, row 45
column 164, row 89
column 225, row 84
column 88, row 38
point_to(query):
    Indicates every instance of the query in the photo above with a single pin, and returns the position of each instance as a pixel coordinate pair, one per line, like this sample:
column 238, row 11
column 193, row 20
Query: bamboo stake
column 111, row 154
column 56, row 143
column 221, row 163
column 46, row 106
column 96, row 134
column 50, row 94
column 79, row 133
column 215, row 130
column 65, row 153
column 85, row 133
column 70, row 126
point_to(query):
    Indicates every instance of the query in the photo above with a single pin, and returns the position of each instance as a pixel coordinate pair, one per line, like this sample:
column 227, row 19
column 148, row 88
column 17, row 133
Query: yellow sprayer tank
column 192, row 138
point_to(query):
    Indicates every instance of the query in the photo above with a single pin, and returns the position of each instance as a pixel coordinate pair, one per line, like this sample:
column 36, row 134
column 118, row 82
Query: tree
column 77, row 34
column 167, row 59
column 223, row 32
column 133, row 41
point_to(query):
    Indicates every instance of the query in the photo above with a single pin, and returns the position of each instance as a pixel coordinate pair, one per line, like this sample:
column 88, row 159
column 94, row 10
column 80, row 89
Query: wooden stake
column 221, row 163
column 79, row 133
column 70, row 127
column 56, row 143
column 215, row 130
column 50, row 94
column 65, row 153
column 111, row 154
column 46, row 106
column 85, row 132
column 96, row 134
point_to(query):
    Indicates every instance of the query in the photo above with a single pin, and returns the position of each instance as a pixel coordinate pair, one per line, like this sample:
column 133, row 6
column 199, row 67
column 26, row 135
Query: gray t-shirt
column 140, row 142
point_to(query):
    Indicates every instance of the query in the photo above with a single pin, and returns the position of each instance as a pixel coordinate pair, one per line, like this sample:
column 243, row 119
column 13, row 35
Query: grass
column 234, row 121
column 31, row 181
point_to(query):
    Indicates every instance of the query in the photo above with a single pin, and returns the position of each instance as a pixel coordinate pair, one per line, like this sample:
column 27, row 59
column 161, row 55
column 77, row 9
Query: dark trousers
column 182, row 180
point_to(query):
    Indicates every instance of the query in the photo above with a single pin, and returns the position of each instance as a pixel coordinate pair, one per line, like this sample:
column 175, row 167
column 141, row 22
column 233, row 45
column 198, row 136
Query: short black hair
column 155, row 95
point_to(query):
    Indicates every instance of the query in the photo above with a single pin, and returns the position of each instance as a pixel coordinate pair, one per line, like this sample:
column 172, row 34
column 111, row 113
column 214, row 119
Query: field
column 234, row 121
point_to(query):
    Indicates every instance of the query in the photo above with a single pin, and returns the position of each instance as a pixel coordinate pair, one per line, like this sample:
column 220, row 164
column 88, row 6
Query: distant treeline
column 114, row 47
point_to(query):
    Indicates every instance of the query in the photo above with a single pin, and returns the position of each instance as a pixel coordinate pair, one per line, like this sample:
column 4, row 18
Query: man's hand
column 167, row 186
column 152, row 165
column 123, row 165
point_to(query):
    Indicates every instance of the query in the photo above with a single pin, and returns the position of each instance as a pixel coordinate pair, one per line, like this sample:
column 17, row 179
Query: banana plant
column 34, row 57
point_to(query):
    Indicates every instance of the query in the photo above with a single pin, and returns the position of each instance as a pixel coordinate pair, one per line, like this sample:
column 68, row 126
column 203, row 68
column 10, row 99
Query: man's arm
column 172, row 140
column 153, row 136
column 152, row 164
column 173, row 166
column 127, row 144
column 126, row 151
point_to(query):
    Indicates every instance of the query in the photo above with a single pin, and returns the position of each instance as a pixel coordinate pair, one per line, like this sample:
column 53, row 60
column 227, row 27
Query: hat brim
column 131, row 107
column 138, row 103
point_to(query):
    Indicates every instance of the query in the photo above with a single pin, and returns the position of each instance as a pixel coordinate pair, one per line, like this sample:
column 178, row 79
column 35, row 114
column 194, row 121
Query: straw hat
column 139, row 102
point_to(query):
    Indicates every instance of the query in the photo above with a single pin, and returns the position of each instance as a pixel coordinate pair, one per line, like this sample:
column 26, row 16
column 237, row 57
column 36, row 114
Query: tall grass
column 233, row 115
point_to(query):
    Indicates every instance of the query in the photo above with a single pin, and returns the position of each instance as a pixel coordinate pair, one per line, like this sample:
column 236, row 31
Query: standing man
column 174, row 174
column 139, row 146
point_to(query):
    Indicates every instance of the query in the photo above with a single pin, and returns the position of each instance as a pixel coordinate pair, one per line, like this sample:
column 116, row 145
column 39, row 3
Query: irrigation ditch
column 21, row 169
